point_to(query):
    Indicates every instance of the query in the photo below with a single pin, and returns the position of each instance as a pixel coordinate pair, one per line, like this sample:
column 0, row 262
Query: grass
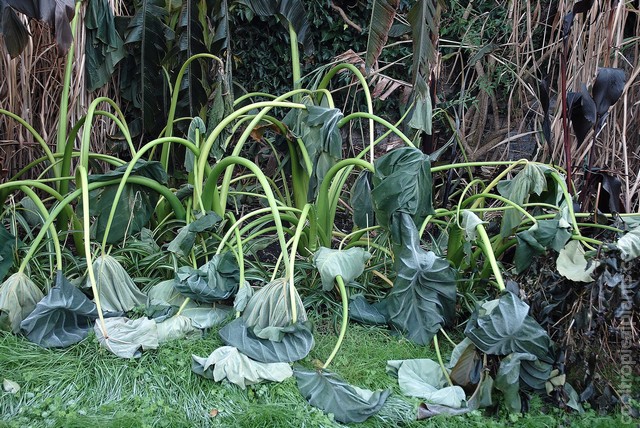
column 85, row 385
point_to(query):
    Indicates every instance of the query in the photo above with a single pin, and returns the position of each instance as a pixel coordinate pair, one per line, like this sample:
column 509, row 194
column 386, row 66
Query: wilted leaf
column 423, row 378
column 115, row 287
column 215, row 280
column 18, row 298
column 63, row 317
column 572, row 264
column 176, row 327
column 508, row 379
column 227, row 362
column 467, row 370
column 606, row 90
column 126, row 338
column 349, row 264
column 552, row 233
column 629, row 244
column 295, row 344
column 423, row 296
column 470, row 222
column 203, row 317
column 326, row 391
column 104, row 47
column 534, row 374
column 183, row 242
column 10, row 386
column 402, row 183
column 481, row 398
column 503, row 326
column 582, row 111
column 268, row 313
column 196, row 134
column 364, row 312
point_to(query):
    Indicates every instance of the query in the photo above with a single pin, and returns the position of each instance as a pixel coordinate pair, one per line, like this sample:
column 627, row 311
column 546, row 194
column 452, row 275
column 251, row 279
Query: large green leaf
column 295, row 344
column 553, row 233
column 481, row 398
column 382, row 16
column 215, row 280
column 268, row 312
column 508, row 379
column 347, row 403
column 530, row 180
column 423, row 296
column 126, row 338
column 364, row 312
column 7, row 245
column 402, row 183
column 135, row 205
column 349, row 264
column 104, row 47
column 183, row 242
column 503, row 326
column 116, row 289
column 63, row 317
column 227, row 362
column 424, row 378
column 361, row 201
column 18, row 298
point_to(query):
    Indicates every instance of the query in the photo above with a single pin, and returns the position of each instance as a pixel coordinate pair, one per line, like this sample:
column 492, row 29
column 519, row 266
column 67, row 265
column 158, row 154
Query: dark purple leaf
column 582, row 111
column 606, row 90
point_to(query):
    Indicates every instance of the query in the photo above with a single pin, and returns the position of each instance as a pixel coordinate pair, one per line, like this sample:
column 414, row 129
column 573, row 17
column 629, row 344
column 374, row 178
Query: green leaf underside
column 116, row 289
column 18, row 298
column 572, row 264
column 182, row 244
column 629, row 244
column 62, row 318
column 295, row 344
column 348, row 404
column 508, row 379
column 361, row 201
column 503, row 326
column 215, row 280
column 126, row 338
column 423, row 296
column 538, row 238
column 227, row 362
column 349, row 264
column 362, row 311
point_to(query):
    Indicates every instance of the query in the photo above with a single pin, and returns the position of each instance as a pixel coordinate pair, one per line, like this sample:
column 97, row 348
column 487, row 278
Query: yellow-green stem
column 343, row 324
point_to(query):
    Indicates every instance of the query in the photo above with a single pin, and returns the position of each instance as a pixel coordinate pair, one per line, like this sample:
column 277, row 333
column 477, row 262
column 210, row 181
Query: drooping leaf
column 18, row 298
column 348, row 404
column 292, row 11
column 204, row 317
column 364, row 312
column 215, row 280
column 422, row 115
column 508, row 379
column 15, row 34
column 530, row 180
column 481, row 398
column 116, row 289
column 268, row 313
column 606, row 90
column 543, row 96
column 196, row 135
column 467, row 370
column 104, row 47
column 424, row 18
column 58, row 14
column 10, row 386
column 135, row 205
column 629, row 244
column 243, row 296
column 402, row 183
column 126, row 338
column 183, row 242
column 295, row 344
column 552, row 233
column 361, row 202
column 470, row 222
column 227, row 362
column 382, row 16
column 572, row 264
column 423, row 296
column 7, row 246
column 349, row 264
column 503, row 326
column 534, row 374
column 173, row 328
column 423, row 378
column 62, row 318
column 582, row 111
column 612, row 186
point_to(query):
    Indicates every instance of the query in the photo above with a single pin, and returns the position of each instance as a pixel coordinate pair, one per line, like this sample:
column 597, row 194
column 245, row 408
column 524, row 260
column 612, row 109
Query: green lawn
column 86, row 386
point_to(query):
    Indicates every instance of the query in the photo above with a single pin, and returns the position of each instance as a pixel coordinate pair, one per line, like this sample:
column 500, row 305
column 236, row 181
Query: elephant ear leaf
column 7, row 245
column 423, row 296
column 402, row 183
column 117, row 291
column 217, row 279
column 18, row 298
column 508, row 379
column 126, row 338
column 62, row 318
column 606, row 90
column 582, row 110
column 348, row 404
column 629, row 244
column 361, row 202
column 136, row 203
column 349, row 264
column 503, row 326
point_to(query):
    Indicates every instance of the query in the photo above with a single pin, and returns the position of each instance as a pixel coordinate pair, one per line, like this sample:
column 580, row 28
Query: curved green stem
column 439, row 356
column 292, row 258
column 345, row 320
column 391, row 127
column 488, row 252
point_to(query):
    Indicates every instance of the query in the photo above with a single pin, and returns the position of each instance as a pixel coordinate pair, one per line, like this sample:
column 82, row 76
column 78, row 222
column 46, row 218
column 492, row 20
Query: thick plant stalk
column 292, row 258
column 295, row 60
column 439, row 356
column 486, row 244
column 343, row 324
